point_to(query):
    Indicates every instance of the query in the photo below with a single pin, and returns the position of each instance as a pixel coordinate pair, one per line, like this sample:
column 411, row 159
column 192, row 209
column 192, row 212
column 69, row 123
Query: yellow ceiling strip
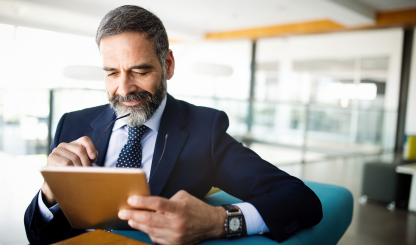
column 297, row 28
column 392, row 18
column 400, row 17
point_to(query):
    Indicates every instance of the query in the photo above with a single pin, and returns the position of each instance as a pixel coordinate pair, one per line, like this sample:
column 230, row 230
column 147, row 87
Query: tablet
column 90, row 198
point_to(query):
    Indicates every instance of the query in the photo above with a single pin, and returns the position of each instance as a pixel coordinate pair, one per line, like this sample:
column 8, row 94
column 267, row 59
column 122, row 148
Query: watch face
column 235, row 224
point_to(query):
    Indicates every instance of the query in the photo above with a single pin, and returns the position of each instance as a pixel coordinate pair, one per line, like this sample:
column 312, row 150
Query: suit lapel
column 171, row 123
column 99, row 125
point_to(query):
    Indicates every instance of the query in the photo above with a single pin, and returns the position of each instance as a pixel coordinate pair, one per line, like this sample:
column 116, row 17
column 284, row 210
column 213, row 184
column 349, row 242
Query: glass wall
column 329, row 94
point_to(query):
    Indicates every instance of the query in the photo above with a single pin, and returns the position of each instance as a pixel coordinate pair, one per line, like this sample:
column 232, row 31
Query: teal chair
column 337, row 205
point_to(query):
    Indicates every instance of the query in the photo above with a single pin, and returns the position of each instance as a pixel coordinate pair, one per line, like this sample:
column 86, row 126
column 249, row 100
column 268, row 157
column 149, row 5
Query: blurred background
column 317, row 87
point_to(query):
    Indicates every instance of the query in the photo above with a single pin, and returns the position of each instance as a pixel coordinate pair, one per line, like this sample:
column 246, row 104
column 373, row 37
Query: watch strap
column 244, row 221
column 230, row 208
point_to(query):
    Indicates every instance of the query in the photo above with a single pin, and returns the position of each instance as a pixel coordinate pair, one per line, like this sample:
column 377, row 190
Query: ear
column 169, row 65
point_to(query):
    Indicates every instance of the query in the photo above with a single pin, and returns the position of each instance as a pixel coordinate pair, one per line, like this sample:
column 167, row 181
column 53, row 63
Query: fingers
column 146, row 217
column 177, row 220
column 156, row 225
column 157, row 235
column 157, row 240
column 60, row 156
column 80, row 153
column 153, row 203
column 89, row 147
column 171, row 231
column 77, row 153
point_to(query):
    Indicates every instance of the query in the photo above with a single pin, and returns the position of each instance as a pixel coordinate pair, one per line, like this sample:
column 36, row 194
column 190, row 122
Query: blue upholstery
column 337, row 205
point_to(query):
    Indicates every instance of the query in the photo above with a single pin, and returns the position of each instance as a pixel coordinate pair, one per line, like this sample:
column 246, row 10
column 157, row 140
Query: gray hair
column 130, row 18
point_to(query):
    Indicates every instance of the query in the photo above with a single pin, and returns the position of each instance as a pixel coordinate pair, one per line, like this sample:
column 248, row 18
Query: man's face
column 134, row 77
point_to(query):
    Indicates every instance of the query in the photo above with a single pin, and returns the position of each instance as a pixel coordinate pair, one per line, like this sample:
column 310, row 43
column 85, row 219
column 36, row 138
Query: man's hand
column 182, row 219
column 80, row 152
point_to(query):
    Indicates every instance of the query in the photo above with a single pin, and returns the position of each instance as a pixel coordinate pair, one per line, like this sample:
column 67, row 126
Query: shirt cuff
column 254, row 222
column 46, row 213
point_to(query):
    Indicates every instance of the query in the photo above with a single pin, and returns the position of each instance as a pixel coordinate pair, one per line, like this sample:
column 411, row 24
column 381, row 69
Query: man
column 198, row 153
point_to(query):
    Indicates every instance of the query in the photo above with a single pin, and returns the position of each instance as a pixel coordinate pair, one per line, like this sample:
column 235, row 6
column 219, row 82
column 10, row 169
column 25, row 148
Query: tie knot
column 136, row 133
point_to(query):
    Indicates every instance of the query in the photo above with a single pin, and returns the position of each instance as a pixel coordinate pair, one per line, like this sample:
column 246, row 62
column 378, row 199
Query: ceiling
column 192, row 19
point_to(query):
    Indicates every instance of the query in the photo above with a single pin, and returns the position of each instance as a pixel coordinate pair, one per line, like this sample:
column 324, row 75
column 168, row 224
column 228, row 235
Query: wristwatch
column 234, row 223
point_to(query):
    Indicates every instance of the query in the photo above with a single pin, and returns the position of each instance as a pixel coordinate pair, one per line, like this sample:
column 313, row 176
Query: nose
column 126, row 85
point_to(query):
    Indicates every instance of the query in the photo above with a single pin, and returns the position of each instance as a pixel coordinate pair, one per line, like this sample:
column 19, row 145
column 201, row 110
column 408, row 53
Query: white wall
column 235, row 54
column 411, row 99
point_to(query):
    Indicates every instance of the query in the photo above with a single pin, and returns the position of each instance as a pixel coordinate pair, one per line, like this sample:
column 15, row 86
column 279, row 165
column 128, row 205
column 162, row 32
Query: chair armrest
column 337, row 206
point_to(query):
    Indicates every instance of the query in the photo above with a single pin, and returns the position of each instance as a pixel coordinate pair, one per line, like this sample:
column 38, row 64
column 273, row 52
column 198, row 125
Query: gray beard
column 142, row 112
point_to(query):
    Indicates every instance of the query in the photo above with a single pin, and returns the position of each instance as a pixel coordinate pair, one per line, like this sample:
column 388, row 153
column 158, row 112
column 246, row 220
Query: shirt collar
column 153, row 123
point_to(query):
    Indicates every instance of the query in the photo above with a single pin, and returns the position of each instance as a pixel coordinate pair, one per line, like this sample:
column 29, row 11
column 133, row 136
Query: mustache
column 132, row 97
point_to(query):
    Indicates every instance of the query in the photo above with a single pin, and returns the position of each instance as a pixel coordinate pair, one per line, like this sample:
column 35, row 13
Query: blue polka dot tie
column 131, row 154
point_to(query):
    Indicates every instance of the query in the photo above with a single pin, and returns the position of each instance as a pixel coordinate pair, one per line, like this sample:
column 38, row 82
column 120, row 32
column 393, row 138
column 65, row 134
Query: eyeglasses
column 163, row 152
column 96, row 143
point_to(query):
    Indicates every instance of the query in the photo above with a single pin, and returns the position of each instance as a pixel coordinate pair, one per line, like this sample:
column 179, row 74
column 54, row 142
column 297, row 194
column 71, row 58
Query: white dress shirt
column 118, row 138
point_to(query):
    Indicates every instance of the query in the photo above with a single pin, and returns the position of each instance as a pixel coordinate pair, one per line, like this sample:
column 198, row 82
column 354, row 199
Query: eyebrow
column 143, row 66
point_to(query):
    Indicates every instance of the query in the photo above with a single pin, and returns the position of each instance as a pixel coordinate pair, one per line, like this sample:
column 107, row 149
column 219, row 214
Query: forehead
column 127, row 45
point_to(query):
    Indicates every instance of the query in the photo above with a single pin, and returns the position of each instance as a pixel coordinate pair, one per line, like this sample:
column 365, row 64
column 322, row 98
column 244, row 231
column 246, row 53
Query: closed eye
column 140, row 73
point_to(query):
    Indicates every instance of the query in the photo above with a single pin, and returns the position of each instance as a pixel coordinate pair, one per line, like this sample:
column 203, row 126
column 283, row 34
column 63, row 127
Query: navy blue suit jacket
column 199, row 154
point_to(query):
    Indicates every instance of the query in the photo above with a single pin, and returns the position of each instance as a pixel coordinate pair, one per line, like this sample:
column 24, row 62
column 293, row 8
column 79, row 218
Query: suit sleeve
column 37, row 230
column 285, row 203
